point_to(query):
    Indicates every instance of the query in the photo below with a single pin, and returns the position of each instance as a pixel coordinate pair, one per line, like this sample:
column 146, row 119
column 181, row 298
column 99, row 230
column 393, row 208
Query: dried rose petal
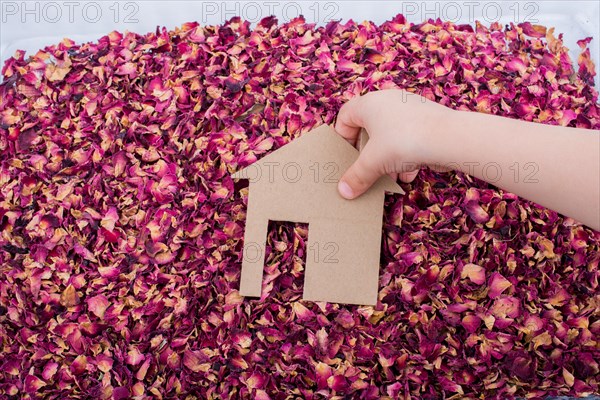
column 33, row 384
column 69, row 297
column 475, row 273
column 98, row 305
column 497, row 284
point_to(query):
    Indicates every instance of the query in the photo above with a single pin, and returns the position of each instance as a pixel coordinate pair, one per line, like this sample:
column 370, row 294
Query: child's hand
column 399, row 124
column 552, row 165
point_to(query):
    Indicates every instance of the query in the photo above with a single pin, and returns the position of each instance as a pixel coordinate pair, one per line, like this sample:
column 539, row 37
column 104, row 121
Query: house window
column 285, row 260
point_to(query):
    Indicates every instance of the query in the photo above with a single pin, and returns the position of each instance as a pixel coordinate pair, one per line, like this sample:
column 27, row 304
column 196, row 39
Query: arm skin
column 554, row 166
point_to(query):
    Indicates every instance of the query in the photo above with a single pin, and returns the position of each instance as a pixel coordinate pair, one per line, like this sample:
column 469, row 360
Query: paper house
column 298, row 183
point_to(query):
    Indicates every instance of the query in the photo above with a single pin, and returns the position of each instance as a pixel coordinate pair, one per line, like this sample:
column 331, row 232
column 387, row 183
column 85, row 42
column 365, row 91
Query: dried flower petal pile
column 121, row 229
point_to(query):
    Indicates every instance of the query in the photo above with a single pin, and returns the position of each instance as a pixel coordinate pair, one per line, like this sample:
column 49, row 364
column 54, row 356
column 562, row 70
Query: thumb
column 361, row 175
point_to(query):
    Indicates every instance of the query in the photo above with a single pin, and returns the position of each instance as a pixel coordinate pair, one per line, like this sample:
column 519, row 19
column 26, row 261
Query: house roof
column 322, row 138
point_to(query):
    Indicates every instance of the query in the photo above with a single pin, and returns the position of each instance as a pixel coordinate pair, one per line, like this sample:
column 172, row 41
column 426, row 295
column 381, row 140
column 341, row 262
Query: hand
column 407, row 131
column 401, row 127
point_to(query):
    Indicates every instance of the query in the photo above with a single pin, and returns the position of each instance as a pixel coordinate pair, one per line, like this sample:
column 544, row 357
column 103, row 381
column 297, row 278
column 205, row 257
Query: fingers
column 361, row 175
column 349, row 120
column 408, row 177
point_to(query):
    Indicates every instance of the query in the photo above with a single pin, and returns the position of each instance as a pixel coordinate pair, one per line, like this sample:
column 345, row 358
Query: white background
column 31, row 25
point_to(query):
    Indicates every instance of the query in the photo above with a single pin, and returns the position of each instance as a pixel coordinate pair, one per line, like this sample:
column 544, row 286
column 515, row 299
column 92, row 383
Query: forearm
column 554, row 166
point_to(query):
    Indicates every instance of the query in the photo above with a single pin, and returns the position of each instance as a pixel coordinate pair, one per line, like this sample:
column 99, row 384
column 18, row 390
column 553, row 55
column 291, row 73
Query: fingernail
column 345, row 190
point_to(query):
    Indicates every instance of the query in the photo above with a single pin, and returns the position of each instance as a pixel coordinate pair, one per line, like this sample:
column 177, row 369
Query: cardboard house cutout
column 298, row 183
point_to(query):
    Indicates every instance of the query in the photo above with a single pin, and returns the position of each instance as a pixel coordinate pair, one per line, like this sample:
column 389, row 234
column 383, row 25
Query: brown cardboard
column 298, row 183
